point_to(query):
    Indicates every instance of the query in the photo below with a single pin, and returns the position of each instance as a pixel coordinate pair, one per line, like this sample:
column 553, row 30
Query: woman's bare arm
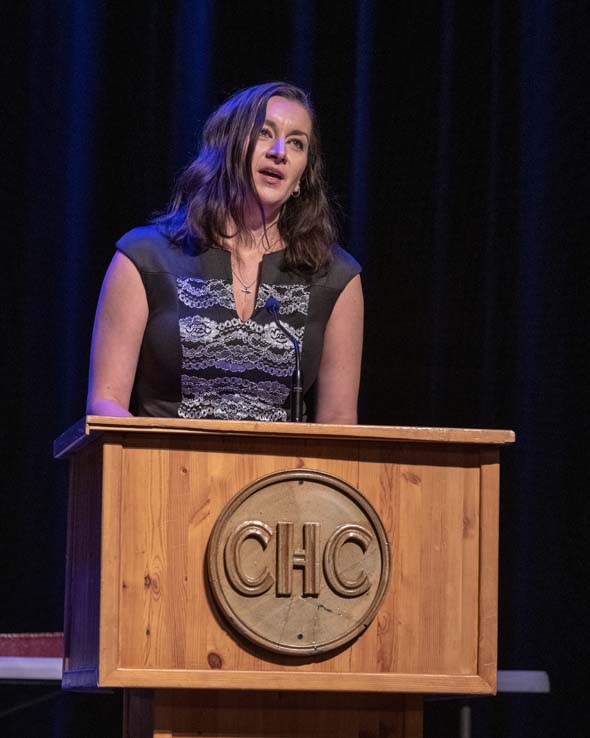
column 121, row 317
column 340, row 367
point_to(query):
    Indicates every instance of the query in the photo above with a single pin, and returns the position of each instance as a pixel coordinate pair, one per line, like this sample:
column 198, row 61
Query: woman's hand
column 340, row 367
column 121, row 317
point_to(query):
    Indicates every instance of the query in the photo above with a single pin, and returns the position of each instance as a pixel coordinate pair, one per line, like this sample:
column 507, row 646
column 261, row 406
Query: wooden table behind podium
column 144, row 496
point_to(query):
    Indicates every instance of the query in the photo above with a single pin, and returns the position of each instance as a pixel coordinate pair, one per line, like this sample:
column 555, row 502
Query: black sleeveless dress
column 198, row 358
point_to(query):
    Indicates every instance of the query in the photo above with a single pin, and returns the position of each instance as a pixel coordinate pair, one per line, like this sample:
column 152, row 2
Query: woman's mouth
column 271, row 174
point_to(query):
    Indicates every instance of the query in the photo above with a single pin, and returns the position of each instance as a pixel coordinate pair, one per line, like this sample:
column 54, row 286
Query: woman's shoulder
column 345, row 261
column 341, row 269
column 146, row 246
column 150, row 249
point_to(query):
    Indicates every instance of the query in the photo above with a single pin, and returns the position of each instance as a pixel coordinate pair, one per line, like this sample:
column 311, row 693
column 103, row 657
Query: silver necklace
column 245, row 288
column 269, row 245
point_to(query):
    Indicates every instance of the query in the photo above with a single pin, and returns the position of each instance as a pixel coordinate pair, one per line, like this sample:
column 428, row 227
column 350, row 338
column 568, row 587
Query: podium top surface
column 92, row 426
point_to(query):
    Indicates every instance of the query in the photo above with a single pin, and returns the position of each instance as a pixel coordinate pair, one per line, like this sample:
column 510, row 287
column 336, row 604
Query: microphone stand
column 272, row 305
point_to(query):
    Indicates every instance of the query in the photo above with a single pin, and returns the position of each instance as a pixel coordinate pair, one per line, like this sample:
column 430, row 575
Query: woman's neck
column 258, row 236
column 256, row 217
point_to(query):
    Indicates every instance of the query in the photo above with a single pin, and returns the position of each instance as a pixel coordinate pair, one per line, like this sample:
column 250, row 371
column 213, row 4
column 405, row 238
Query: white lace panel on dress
column 234, row 369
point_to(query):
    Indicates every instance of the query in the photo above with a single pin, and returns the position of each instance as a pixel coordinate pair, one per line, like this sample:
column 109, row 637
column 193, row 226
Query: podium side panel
column 83, row 569
column 488, row 606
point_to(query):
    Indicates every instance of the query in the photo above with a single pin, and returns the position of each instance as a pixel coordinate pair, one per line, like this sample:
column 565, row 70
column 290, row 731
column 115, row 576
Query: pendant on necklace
column 245, row 290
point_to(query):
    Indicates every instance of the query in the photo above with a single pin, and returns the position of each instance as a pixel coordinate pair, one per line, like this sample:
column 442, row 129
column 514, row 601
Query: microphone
column 272, row 305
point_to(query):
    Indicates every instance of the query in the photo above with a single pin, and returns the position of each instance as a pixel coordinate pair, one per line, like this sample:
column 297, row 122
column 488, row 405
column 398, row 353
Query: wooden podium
column 145, row 495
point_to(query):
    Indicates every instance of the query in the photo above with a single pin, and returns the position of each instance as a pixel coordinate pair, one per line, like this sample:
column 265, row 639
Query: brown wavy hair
column 215, row 186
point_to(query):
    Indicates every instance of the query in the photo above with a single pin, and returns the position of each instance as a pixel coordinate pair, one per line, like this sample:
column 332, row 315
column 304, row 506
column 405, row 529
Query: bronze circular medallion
column 299, row 562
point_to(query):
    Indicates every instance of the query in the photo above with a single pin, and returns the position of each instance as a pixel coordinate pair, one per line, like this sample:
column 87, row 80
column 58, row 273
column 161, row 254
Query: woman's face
column 280, row 154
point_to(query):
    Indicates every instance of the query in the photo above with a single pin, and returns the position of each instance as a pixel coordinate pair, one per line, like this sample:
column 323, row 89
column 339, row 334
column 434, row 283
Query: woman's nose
column 277, row 150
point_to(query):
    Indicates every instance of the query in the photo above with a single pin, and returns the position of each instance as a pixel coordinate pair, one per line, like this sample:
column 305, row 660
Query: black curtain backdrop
column 456, row 144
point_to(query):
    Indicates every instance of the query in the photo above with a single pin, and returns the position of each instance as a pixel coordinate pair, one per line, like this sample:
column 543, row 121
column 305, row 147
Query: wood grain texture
column 302, row 679
column 110, row 547
column 246, row 714
column 162, row 493
column 488, row 594
column 428, row 623
column 92, row 426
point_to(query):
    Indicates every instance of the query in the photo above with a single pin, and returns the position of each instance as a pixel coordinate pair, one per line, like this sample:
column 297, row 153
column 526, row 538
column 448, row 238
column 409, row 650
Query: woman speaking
column 183, row 326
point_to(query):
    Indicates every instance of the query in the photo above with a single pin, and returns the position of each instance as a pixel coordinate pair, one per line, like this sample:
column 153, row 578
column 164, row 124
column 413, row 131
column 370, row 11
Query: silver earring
column 296, row 192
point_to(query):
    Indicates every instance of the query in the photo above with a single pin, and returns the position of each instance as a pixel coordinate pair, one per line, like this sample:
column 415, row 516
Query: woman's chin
column 271, row 208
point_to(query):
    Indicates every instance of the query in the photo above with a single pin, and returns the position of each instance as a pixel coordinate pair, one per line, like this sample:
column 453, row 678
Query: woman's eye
column 298, row 143
column 264, row 133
